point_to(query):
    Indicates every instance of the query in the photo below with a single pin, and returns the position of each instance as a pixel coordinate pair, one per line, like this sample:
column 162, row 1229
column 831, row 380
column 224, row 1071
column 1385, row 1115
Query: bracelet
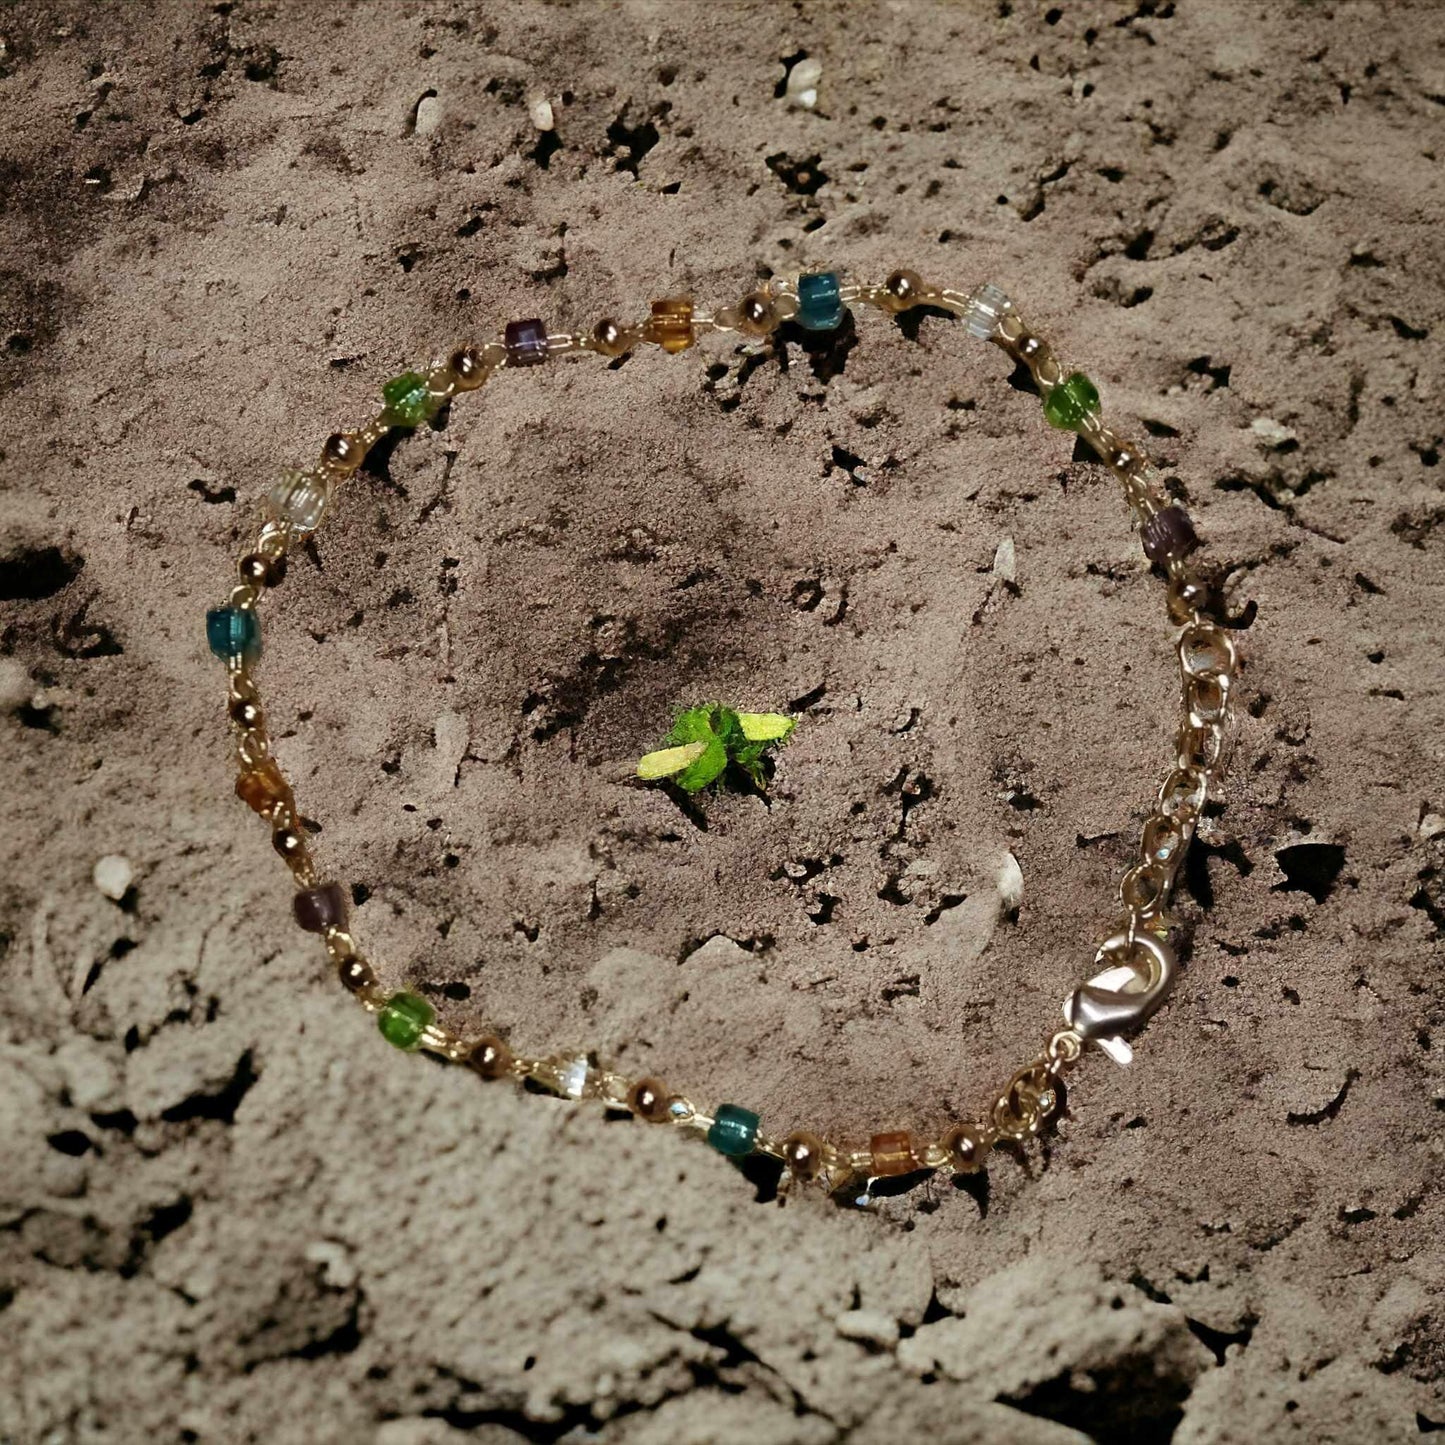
column 1135, row 964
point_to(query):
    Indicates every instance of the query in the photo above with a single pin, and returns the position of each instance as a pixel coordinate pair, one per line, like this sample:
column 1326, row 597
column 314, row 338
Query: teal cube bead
column 404, row 1019
column 408, row 400
column 1073, row 399
column 734, row 1131
column 820, row 301
column 233, row 632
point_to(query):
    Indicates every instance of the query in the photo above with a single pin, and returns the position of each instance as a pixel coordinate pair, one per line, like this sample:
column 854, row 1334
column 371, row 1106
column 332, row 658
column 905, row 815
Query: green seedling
column 705, row 739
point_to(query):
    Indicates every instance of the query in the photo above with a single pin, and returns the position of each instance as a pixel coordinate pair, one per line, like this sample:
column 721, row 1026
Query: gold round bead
column 259, row 570
column 467, row 367
column 759, row 316
column 966, row 1146
column 341, row 452
column 1187, row 596
column 902, row 290
column 355, row 973
column 246, row 712
column 804, row 1153
column 489, row 1057
column 649, row 1100
column 609, row 338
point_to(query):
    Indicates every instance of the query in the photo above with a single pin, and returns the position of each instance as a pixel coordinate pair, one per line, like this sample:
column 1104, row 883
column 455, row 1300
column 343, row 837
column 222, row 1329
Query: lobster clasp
column 1122, row 998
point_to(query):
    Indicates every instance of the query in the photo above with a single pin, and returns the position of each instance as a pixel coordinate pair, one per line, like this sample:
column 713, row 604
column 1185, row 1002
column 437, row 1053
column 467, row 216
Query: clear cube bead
column 299, row 499
column 985, row 306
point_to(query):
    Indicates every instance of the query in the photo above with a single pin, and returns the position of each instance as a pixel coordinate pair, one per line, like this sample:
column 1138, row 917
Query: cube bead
column 320, row 908
column 233, row 632
column 820, row 302
column 526, row 342
column 404, row 1019
column 670, row 325
column 734, row 1131
column 408, row 400
column 1073, row 399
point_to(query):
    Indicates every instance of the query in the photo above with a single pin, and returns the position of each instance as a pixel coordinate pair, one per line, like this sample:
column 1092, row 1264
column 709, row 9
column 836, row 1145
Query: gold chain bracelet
column 1136, row 965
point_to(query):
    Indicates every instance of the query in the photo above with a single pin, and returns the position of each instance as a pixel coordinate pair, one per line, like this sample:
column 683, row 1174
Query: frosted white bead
column 299, row 499
column 985, row 306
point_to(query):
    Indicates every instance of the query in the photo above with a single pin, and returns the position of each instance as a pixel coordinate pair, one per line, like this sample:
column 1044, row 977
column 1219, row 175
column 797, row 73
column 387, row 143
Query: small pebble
column 802, row 87
column 540, row 110
column 1432, row 825
column 1010, row 883
column 872, row 1326
column 113, row 875
column 1271, row 432
column 15, row 685
column 1005, row 561
column 428, row 115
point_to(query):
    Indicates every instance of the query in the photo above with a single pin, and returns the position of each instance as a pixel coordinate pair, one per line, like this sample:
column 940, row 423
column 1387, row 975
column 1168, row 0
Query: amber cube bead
column 263, row 788
column 892, row 1154
column 670, row 325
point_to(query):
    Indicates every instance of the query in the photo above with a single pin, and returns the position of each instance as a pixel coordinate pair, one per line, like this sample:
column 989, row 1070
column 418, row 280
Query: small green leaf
column 667, row 761
column 766, row 727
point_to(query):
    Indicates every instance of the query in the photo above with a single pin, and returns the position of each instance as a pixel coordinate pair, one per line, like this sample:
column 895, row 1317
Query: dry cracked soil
column 227, row 1212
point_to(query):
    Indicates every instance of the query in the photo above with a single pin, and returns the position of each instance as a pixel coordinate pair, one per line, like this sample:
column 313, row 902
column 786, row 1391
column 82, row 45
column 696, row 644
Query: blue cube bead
column 233, row 632
column 820, row 303
column 734, row 1131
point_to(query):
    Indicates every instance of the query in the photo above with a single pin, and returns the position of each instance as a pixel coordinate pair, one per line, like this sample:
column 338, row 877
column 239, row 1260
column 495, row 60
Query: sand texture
column 229, row 1213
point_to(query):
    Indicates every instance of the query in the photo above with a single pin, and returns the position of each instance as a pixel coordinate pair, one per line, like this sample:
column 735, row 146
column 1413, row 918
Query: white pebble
column 1432, row 825
column 1010, row 883
column 1273, row 433
column 113, row 875
column 541, row 112
column 15, row 686
column 872, row 1326
column 428, row 115
column 803, row 81
column 1005, row 561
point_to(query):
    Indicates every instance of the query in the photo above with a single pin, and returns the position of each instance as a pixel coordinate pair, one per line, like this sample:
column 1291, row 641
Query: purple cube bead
column 526, row 342
column 318, row 909
column 1168, row 534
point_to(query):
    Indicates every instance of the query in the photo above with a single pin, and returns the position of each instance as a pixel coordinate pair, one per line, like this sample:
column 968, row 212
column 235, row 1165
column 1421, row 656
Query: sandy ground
column 228, row 1212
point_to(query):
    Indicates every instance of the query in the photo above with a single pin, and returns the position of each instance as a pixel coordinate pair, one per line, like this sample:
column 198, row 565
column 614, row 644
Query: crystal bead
column 985, row 306
column 526, row 342
column 734, row 1130
column 820, row 303
column 572, row 1077
column 404, row 1019
column 233, row 632
column 891, row 1154
column 263, row 788
column 320, row 908
column 299, row 499
column 1073, row 399
column 670, row 325
column 1167, row 534
column 409, row 401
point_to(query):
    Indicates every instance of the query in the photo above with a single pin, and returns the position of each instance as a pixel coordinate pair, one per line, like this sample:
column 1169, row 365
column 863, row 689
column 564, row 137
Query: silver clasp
column 1122, row 998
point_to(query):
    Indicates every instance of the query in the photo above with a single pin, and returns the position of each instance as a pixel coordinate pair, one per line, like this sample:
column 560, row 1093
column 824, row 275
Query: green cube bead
column 1073, row 399
column 734, row 1131
column 404, row 1019
column 408, row 401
